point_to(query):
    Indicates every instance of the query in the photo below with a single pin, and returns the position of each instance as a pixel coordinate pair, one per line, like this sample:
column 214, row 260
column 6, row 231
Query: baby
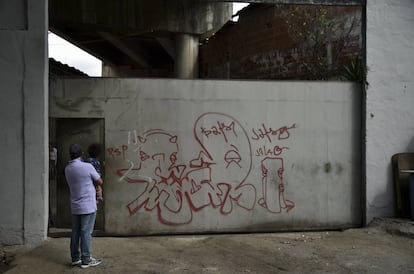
column 94, row 151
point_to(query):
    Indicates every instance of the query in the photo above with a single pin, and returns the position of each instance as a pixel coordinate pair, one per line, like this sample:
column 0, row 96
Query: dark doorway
column 84, row 132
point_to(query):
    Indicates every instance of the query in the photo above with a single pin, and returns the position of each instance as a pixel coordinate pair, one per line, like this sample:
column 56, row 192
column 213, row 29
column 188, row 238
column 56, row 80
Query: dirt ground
column 365, row 250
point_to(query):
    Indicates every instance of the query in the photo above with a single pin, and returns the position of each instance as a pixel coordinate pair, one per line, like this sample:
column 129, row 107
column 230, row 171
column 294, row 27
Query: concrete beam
column 167, row 45
column 126, row 49
column 185, row 16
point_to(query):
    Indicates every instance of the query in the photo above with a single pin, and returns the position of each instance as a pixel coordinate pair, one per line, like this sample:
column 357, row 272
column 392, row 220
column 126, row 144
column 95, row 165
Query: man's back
column 80, row 177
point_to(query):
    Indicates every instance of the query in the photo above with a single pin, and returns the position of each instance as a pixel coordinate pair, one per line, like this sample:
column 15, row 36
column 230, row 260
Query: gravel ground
column 365, row 250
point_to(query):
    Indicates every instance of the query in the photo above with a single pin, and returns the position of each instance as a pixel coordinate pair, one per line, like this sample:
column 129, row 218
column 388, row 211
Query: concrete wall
column 23, row 116
column 197, row 156
column 390, row 97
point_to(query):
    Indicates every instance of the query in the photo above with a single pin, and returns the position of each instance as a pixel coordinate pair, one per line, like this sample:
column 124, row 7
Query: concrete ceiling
column 134, row 34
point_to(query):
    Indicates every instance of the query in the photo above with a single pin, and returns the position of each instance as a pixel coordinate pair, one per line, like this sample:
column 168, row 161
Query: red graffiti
column 117, row 151
column 176, row 199
column 272, row 203
column 274, row 151
column 216, row 178
column 220, row 128
column 268, row 133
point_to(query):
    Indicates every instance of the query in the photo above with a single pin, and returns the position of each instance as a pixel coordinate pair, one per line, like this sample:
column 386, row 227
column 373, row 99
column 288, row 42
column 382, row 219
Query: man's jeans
column 82, row 228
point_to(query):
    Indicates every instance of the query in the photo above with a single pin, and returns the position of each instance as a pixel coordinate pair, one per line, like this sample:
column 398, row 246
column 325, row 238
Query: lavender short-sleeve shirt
column 80, row 177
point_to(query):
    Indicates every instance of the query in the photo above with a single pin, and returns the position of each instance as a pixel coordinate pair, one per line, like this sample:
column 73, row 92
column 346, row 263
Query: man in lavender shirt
column 82, row 179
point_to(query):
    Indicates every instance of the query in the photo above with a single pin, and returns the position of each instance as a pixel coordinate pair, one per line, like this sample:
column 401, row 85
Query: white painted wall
column 316, row 125
column 390, row 97
column 23, row 116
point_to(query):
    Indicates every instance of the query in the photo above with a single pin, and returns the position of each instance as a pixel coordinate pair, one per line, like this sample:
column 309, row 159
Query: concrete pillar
column 186, row 56
column 389, row 98
column 23, row 116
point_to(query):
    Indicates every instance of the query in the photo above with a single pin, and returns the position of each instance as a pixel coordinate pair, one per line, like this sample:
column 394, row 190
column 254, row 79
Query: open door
column 84, row 132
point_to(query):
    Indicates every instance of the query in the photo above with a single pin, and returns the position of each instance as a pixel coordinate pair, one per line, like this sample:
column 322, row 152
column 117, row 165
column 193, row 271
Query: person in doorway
column 52, row 183
column 94, row 151
column 82, row 179
column 52, row 161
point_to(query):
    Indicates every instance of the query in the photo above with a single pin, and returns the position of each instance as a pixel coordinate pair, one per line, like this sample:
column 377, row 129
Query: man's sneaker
column 92, row 262
column 76, row 262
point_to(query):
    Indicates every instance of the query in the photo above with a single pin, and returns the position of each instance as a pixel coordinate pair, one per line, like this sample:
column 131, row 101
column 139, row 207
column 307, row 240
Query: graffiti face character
column 227, row 145
column 157, row 152
column 232, row 156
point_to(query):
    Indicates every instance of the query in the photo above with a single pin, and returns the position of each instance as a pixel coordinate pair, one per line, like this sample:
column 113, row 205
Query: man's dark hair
column 75, row 151
column 94, row 150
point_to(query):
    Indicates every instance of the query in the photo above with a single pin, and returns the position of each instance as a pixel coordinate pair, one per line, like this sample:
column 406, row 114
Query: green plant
column 352, row 70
